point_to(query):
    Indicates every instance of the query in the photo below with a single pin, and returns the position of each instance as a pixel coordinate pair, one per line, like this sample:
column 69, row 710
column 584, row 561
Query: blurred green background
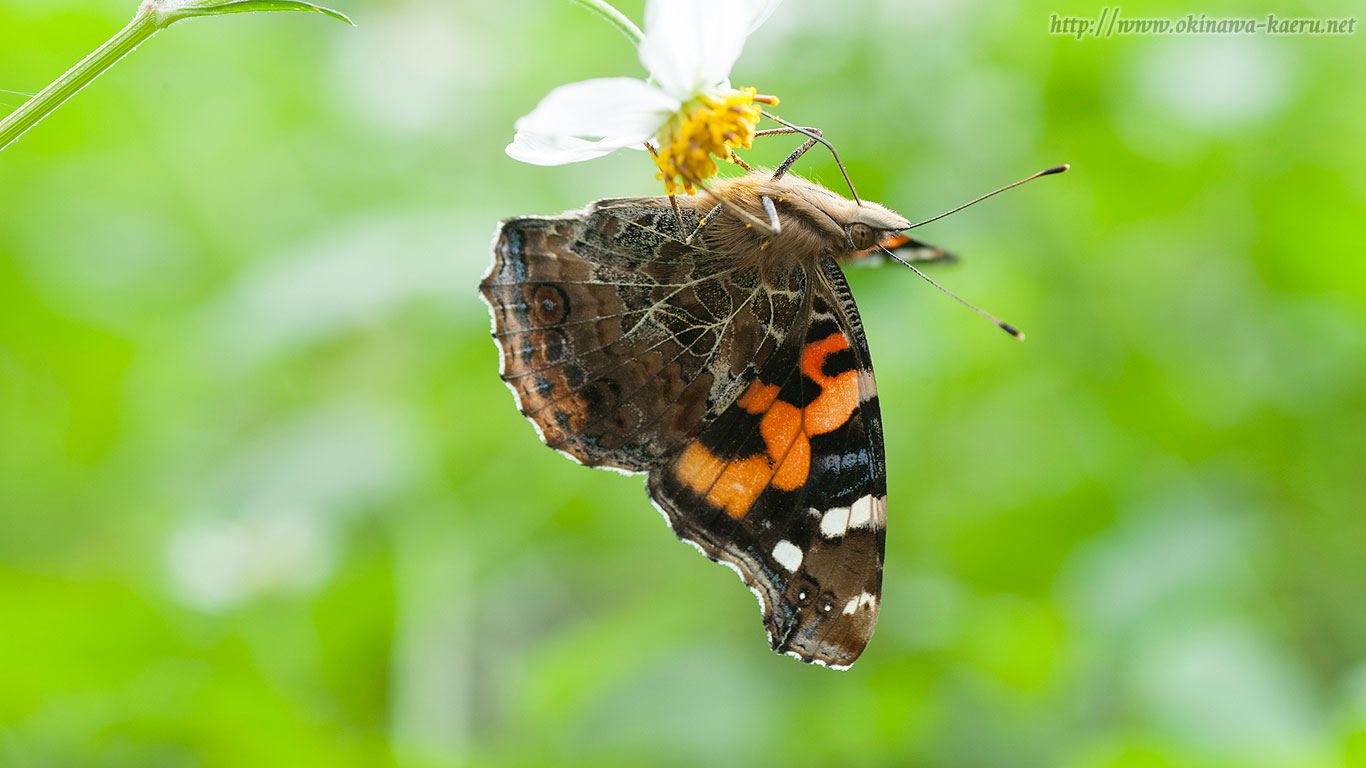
column 263, row 500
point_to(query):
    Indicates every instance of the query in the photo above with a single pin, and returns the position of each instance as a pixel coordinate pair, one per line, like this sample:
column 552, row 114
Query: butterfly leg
column 735, row 159
column 772, row 212
column 739, row 212
column 792, row 158
column 774, row 226
column 709, row 217
column 816, row 136
column 678, row 215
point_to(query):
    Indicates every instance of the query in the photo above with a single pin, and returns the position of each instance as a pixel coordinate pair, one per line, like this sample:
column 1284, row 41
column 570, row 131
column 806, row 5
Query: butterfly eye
column 862, row 236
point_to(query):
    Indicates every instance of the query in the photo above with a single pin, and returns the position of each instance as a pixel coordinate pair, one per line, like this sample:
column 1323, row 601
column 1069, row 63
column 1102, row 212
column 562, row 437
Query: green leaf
column 247, row 6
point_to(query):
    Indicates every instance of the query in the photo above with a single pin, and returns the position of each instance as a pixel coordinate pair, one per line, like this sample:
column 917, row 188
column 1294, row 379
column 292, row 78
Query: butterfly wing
column 619, row 341
column 747, row 394
column 788, row 484
column 902, row 245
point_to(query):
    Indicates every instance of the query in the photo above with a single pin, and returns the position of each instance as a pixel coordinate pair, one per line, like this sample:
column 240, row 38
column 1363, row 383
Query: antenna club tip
column 1057, row 169
column 1013, row 331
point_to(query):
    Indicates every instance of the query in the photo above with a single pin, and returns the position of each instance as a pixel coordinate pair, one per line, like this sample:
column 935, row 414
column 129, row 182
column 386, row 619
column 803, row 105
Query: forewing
column 619, row 341
column 788, row 484
column 902, row 245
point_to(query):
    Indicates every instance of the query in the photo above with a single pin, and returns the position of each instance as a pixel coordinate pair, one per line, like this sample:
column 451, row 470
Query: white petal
column 543, row 149
column 691, row 45
column 616, row 110
column 760, row 12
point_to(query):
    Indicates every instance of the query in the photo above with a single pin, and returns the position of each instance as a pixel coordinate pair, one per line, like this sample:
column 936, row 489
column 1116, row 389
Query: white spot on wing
column 835, row 522
column 861, row 514
column 867, row 512
column 788, row 555
column 864, row 599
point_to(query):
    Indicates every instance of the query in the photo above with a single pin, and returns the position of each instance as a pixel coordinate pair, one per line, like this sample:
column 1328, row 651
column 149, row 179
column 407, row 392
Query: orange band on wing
column 786, row 463
column 839, row 393
column 731, row 486
column 758, row 397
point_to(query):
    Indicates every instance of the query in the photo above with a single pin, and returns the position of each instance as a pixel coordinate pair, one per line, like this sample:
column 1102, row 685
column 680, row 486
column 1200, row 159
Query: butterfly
column 718, row 350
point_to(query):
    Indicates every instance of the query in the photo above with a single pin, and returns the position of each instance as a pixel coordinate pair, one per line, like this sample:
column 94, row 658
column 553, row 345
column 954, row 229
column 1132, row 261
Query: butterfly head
column 869, row 223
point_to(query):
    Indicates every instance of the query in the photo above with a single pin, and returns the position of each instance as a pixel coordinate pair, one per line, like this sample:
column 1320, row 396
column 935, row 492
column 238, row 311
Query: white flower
column 688, row 108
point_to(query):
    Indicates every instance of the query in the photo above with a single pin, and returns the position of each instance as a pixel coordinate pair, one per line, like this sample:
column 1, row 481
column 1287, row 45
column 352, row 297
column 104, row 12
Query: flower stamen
column 710, row 126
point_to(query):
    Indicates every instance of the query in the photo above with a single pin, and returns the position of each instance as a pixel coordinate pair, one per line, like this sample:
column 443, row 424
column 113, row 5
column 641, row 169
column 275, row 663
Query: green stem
column 152, row 17
column 143, row 26
column 615, row 18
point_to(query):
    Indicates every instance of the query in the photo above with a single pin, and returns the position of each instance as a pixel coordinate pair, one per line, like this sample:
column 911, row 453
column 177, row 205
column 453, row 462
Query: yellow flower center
column 709, row 126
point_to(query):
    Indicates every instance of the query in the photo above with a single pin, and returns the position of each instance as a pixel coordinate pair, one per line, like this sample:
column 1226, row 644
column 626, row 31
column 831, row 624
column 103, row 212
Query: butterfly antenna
column 816, row 136
column 1046, row 172
column 1007, row 327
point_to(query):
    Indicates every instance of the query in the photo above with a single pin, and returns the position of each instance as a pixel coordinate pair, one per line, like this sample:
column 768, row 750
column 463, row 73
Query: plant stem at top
column 143, row 26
